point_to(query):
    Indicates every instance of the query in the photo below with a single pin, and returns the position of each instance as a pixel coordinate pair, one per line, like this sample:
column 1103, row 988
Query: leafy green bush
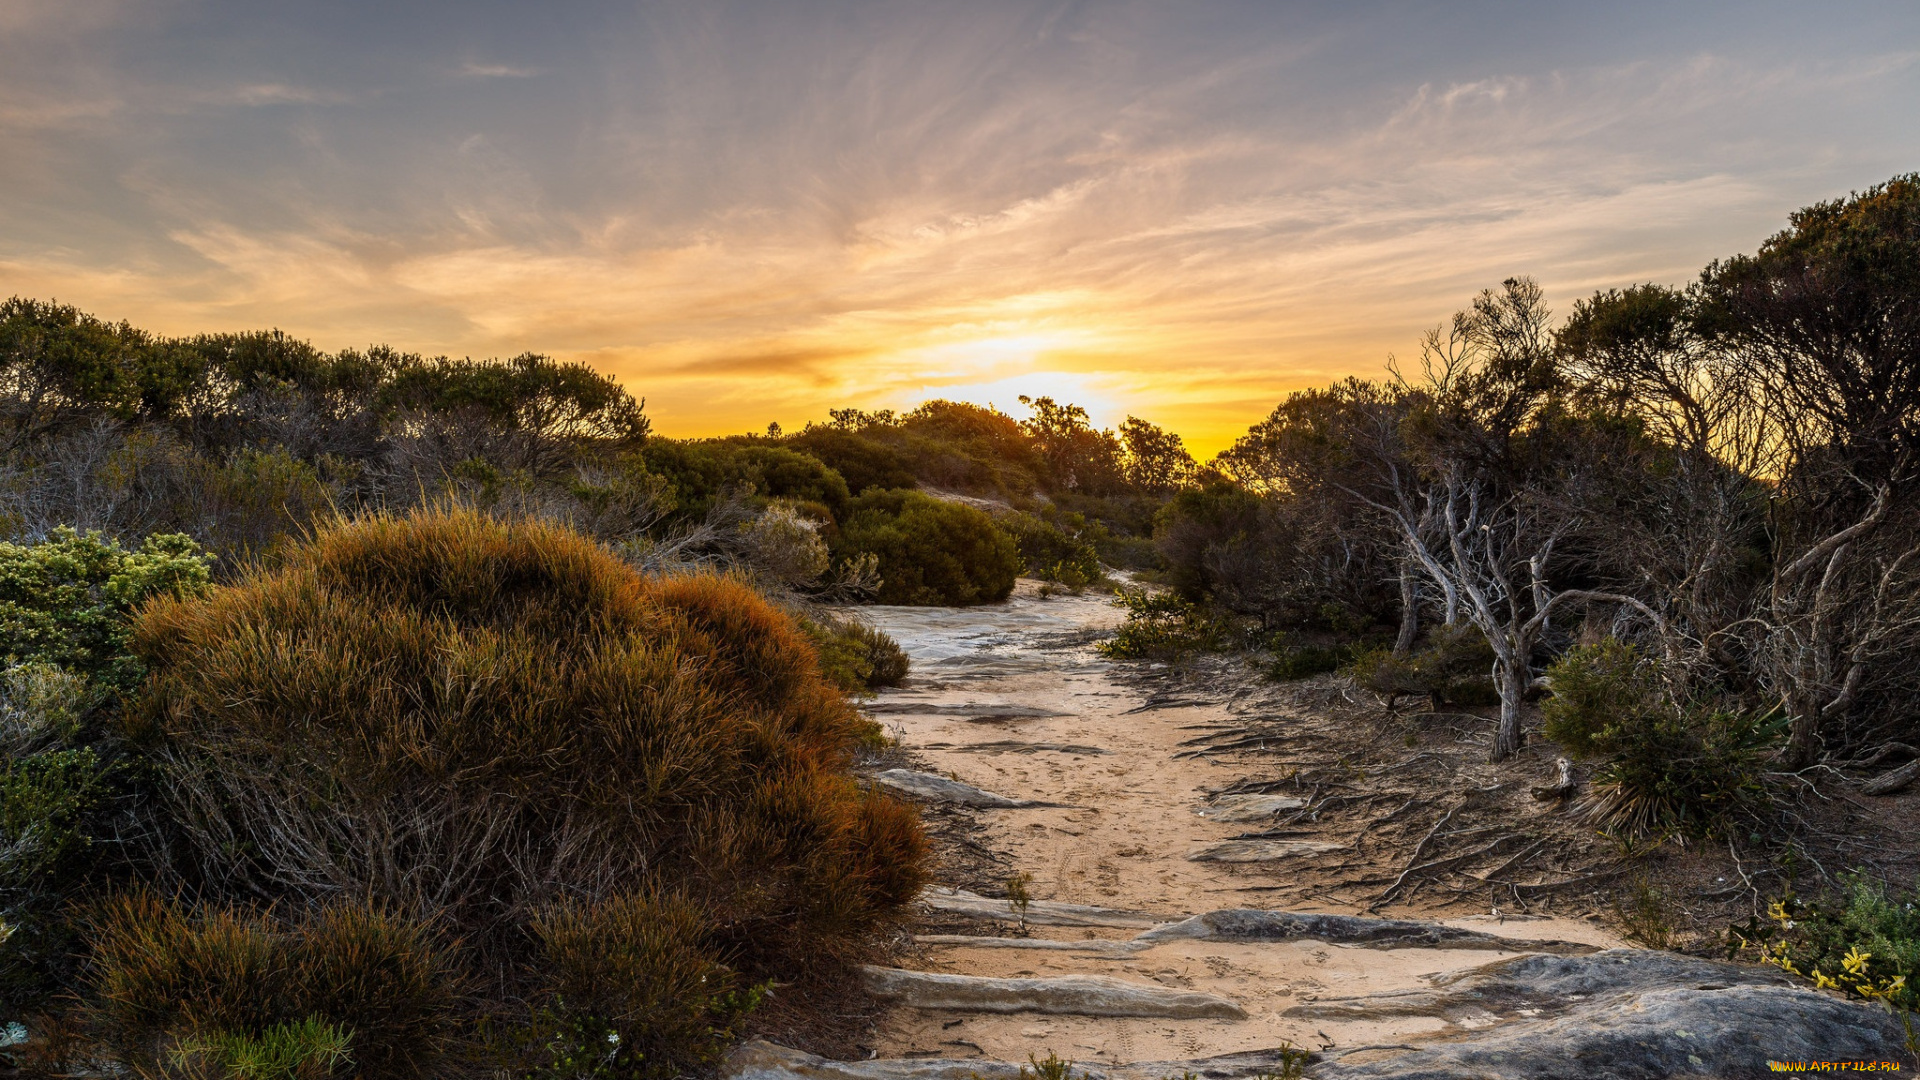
column 1044, row 546
column 179, row 990
column 65, row 601
column 1161, row 626
column 864, row 463
column 1668, row 766
column 65, row 605
column 854, row 656
column 1862, row 940
column 1603, row 695
column 930, row 551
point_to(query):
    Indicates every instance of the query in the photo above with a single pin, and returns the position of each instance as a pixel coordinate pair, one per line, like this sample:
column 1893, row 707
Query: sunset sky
column 752, row 212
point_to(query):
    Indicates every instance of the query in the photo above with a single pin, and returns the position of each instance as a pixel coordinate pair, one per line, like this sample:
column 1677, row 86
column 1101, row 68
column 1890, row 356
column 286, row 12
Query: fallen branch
column 1894, row 782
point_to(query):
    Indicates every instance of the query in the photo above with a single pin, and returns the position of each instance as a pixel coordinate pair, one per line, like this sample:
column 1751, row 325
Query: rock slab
column 1250, row 925
column 1038, row 913
column 1623, row 1014
column 940, row 789
column 1065, row 995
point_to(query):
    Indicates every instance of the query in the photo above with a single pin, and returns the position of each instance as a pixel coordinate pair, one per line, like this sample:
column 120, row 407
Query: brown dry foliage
column 478, row 724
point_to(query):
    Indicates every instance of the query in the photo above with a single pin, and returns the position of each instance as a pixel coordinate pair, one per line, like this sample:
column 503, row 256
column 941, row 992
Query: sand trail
column 1012, row 699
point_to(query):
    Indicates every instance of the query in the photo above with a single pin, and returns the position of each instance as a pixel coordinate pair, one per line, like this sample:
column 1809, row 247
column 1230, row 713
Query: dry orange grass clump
column 491, row 727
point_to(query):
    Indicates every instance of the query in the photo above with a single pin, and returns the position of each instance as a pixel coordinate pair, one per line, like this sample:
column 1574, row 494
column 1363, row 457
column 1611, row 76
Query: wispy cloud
column 475, row 70
column 750, row 215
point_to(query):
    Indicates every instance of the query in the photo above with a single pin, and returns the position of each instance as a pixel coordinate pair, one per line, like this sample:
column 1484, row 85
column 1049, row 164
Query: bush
column 1054, row 554
column 636, row 992
column 856, row 657
column 1694, row 773
column 1296, row 659
column 1862, row 941
column 185, row 994
column 472, row 722
column 1602, row 695
column 1160, row 626
column 1453, row 668
column 66, row 601
column 930, row 552
column 864, row 463
column 64, row 610
column 1670, row 767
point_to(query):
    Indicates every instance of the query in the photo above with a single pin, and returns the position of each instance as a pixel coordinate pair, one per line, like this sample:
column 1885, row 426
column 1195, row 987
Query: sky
column 752, row 212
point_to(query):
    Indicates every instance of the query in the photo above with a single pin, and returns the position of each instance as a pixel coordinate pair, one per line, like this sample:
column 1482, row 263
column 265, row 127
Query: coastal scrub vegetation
column 432, row 794
column 348, row 693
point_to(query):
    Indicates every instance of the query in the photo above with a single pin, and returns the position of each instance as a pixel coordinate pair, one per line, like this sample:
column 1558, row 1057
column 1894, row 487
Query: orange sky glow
column 750, row 214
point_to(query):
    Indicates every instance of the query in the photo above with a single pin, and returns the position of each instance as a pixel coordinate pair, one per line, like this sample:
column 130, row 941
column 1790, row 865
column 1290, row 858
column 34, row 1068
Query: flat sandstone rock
column 940, row 789
column 1064, row 995
column 1248, row 807
column 1039, row 912
column 1249, row 925
column 1239, row 851
column 1624, row 1014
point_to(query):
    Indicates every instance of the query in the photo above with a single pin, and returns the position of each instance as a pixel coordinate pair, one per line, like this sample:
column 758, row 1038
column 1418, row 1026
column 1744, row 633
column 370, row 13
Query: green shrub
column 854, row 656
column 1694, row 773
column 864, row 463
column 930, row 551
column 469, row 721
column 177, row 988
column 66, row 601
column 636, row 991
column 1052, row 553
column 1161, row 626
column 1667, row 766
column 1295, row 659
column 1861, row 940
column 1453, row 668
column 1602, row 695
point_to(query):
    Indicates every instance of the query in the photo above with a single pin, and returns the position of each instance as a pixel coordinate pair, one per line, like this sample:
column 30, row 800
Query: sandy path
column 1023, row 672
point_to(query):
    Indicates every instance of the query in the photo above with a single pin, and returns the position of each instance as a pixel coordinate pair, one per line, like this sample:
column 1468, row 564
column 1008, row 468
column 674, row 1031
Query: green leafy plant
column 855, row 656
column 1453, row 668
column 1603, row 695
column 1863, row 939
column 66, row 600
column 1668, row 767
column 1160, row 625
column 930, row 551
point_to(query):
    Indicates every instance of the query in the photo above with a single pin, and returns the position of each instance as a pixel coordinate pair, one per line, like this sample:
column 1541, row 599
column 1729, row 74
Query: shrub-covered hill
column 444, row 794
